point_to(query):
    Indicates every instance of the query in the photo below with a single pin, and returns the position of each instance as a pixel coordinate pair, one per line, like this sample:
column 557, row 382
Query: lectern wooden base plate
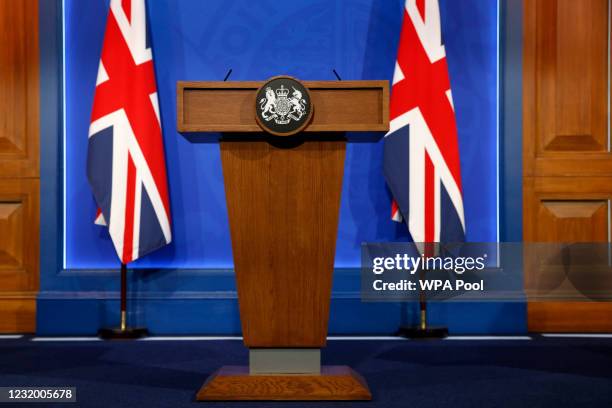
column 233, row 383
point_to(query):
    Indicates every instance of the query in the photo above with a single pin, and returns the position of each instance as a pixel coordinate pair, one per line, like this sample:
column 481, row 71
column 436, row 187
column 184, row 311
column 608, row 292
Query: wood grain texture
column 567, row 165
column 573, row 74
column 19, row 165
column 230, row 106
column 283, row 200
column 565, row 88
column 18, row 312
column 19, row 238
column 233, row 383
column 570, row 317
column 564, row 210
column 283, row 205
column 577, row 220
column 19, row 88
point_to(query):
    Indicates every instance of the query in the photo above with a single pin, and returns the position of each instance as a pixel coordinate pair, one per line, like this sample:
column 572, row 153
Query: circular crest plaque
column 283, row 106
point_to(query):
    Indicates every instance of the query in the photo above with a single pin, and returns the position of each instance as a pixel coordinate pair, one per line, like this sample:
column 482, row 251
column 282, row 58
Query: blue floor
column 541, row 372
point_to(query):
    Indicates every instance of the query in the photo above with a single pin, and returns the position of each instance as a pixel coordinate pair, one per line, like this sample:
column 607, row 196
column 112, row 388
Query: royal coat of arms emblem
column 277, row 105
column 283, row 106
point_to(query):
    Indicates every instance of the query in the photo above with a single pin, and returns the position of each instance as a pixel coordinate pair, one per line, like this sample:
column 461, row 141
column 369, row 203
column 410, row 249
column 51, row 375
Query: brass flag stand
column 423, row 330
column 123, row 331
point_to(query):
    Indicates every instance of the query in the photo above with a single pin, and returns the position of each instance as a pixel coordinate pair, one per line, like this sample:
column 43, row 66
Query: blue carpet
column 543, row 372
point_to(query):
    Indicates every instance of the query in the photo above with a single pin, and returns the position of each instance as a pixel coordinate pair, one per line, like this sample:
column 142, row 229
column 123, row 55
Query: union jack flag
column 125, row 162
column 421, row 161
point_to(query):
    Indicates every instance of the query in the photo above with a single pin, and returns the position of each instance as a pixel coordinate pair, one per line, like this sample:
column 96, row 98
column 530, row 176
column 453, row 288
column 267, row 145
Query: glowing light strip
column 497, row 124
column 63, row 134
column 190, row 338
column 497, row 140
column 609, row 21
column 51, row 339
column 471, row 338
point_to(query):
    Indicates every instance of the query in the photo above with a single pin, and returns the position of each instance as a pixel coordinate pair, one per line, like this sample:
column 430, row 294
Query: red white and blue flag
column 125, row 162
column 421, row 161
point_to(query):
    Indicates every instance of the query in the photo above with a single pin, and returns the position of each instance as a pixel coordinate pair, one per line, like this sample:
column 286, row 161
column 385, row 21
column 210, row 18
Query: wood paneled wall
column 567, row 184
column 19, row 165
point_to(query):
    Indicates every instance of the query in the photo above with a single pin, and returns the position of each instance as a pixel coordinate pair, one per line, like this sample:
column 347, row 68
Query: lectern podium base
column 234, row 383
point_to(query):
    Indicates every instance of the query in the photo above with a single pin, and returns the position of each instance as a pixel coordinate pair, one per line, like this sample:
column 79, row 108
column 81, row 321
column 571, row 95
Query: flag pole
column 423, row 310
column 123, row 331
column 123, row 297
column 423, row 330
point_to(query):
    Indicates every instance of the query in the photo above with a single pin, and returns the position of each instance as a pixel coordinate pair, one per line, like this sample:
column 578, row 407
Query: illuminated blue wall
column 196, row 40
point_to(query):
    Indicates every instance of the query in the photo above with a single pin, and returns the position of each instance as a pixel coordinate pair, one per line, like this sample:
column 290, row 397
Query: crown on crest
column 282, row 92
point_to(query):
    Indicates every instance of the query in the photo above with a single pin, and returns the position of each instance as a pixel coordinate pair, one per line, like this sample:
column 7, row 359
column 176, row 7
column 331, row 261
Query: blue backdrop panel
column 195, row 40
column 188, row 286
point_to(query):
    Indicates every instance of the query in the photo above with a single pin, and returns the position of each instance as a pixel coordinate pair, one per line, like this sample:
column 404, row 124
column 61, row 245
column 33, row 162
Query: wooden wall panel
column 19, row 164
column 595, row 317
column 566, row 209
column 19, row 243
column 19, row 88
column 572, row 220
column 567, row 165
column 572, row 60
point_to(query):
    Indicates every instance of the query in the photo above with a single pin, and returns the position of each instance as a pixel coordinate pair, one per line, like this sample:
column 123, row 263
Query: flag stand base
column 115, row 333
column 123, row 332
column 430, row 332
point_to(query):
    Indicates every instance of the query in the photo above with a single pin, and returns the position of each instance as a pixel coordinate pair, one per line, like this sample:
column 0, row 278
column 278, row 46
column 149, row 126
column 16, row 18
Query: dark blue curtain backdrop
column 201, row 40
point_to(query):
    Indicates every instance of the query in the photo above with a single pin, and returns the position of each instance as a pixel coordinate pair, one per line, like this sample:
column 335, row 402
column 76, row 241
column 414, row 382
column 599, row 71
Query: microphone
column 336, row 74
column 227, row 75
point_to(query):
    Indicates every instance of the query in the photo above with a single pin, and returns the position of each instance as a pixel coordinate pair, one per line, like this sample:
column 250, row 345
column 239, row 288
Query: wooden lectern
column 283, row 199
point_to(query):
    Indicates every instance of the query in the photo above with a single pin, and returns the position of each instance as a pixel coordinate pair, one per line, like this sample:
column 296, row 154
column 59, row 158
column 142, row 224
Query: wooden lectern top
column 339, row 106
